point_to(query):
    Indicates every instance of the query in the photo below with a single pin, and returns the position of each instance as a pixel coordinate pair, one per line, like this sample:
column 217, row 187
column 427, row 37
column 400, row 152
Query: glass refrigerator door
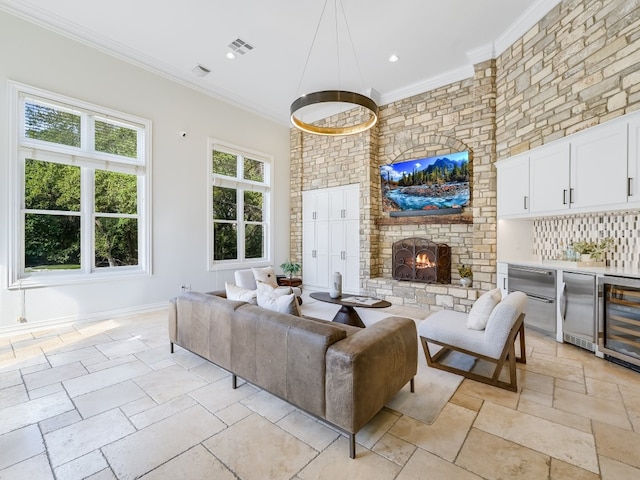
column 622, row 325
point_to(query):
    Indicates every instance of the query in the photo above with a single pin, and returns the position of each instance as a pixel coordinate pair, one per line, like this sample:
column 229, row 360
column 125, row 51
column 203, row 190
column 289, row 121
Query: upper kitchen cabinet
column 513, row 186
column 594, row 170
column 599, row 166
column 633, row 182
column 549, row 168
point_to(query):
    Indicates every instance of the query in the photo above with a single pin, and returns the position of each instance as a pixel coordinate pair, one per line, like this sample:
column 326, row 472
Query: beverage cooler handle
column 564, row 301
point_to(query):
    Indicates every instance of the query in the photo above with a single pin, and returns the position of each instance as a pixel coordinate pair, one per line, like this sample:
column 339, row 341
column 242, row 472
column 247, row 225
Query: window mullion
column 87, row 133
column 87, row 219
column 240, row 218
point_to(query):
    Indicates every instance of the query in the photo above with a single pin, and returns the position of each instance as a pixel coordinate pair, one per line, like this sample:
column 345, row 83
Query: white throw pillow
column 482, row 308
column 278, row 302
column 238, row 293
column 265, row 275
column 267, row 289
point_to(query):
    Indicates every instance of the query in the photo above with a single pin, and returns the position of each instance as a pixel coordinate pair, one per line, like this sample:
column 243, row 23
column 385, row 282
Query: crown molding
column 524, row 23
column 77, row 33
column 482, row 54
column 517, row 29
column 432, row 83
column 44, row 19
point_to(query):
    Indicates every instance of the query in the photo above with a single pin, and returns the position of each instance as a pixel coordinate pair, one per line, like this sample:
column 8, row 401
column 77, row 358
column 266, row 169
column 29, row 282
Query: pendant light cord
column 353, row 48
column 315, row 35
column 335, row 15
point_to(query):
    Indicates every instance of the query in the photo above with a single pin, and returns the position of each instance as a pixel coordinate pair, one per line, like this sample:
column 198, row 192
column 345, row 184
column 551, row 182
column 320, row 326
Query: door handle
column 525, row 202
column 313, row 254
column 564, row 196
column 570, row 196
column 504, row 283
column 564, row 302
column 539, row 299
column 629, row 181
column 532, row 270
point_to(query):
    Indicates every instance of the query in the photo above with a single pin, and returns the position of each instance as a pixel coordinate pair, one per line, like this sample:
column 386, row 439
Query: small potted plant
column 466, row 275
column 290, row 268
column 593, row 251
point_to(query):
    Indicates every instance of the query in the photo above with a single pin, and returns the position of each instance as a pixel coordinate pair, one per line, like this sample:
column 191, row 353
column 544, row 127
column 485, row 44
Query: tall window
column 80, row 190
column 240, row 186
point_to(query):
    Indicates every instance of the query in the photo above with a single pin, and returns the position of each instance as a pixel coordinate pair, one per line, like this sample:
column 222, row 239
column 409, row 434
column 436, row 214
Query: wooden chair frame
column 508, row 355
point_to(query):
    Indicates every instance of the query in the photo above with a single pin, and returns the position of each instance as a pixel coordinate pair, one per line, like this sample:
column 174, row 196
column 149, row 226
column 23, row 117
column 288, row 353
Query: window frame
column 240, row 185
column 88, row 160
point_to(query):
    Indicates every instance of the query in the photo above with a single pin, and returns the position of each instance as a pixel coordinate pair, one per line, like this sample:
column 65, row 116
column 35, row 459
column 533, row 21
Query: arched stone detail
column 408, row 148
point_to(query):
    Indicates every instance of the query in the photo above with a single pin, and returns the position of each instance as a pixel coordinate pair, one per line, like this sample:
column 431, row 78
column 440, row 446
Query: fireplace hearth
column 421, row 260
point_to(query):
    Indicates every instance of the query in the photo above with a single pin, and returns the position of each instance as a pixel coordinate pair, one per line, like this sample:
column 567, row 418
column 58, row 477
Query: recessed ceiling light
column 200, row 71
column 394, row 58
column 230, row 55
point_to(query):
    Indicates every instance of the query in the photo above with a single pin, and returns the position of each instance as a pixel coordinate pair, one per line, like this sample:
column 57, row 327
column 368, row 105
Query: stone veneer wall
column 449, row 119
column 578, row 67
column 322, row 162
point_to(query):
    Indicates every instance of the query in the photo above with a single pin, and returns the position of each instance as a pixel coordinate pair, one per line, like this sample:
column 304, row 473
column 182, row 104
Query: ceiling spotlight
column 230, row 55
column 394, row 58
column 200, row 71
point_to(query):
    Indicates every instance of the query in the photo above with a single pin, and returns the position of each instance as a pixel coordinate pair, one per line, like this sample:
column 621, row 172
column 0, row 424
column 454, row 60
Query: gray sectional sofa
column 341, row 374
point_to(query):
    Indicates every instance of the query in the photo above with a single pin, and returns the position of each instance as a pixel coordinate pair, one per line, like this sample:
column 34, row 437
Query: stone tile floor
column 106, row 399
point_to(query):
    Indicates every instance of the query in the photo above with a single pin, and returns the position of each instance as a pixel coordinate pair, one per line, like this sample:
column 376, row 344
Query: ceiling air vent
column 200, row 71
column 240, row 46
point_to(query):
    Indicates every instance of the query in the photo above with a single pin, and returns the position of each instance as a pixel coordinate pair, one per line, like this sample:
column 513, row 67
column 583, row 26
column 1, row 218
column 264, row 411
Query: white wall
column 36, row 56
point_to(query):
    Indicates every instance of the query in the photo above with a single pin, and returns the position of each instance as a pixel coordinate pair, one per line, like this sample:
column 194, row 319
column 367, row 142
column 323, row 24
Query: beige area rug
column 433, row 387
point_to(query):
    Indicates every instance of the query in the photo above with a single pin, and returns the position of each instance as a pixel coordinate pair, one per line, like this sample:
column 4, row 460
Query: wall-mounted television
column 426, row 186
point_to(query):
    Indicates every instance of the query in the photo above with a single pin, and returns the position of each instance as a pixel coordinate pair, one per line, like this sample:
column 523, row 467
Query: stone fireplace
column 421, row 260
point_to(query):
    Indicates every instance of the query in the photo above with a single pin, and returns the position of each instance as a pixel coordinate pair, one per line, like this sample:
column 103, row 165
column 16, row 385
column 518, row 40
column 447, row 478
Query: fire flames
column 423, row 261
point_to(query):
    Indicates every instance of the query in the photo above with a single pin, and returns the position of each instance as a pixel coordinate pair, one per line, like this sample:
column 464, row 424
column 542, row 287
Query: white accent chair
column 495, row 344
column 246, row 279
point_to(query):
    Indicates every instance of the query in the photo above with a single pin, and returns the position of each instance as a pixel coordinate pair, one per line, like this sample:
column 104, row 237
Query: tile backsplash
column 552, row 235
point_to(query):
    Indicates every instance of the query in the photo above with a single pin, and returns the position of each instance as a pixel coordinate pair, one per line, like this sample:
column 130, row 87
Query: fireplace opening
column 421, row 260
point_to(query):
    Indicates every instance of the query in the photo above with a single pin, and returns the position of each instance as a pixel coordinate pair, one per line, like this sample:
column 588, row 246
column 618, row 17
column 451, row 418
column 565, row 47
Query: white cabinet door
column 315, row 238
column 309, row 254
column 351, row 276
column 344, row 203
column 330, row 237
column 633, row 165
column 315, row 256
column 345, row 254
column 549, row 178
column 337, row 254
column 315, row 205
column 513, row 186
column 599, row 166
column 503, row 278
column 322, row 253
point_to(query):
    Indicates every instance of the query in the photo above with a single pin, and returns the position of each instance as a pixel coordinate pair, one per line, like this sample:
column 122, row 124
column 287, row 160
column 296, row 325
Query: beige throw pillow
column 277, row 299
column 482, row 308
column 265, row 275
column 238, row 293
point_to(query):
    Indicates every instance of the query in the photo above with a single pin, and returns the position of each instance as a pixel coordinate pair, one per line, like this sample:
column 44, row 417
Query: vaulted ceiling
column 436, row 42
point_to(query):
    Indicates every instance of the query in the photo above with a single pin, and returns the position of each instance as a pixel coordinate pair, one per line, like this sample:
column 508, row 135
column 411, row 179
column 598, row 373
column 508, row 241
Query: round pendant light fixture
column 367, row 109
column 335, row 96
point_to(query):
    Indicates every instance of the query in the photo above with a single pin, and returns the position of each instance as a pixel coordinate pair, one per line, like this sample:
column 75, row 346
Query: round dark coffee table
column 347, row 314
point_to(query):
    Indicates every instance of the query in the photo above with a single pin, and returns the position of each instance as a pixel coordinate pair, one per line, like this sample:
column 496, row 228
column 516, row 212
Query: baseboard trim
column 83, row 318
